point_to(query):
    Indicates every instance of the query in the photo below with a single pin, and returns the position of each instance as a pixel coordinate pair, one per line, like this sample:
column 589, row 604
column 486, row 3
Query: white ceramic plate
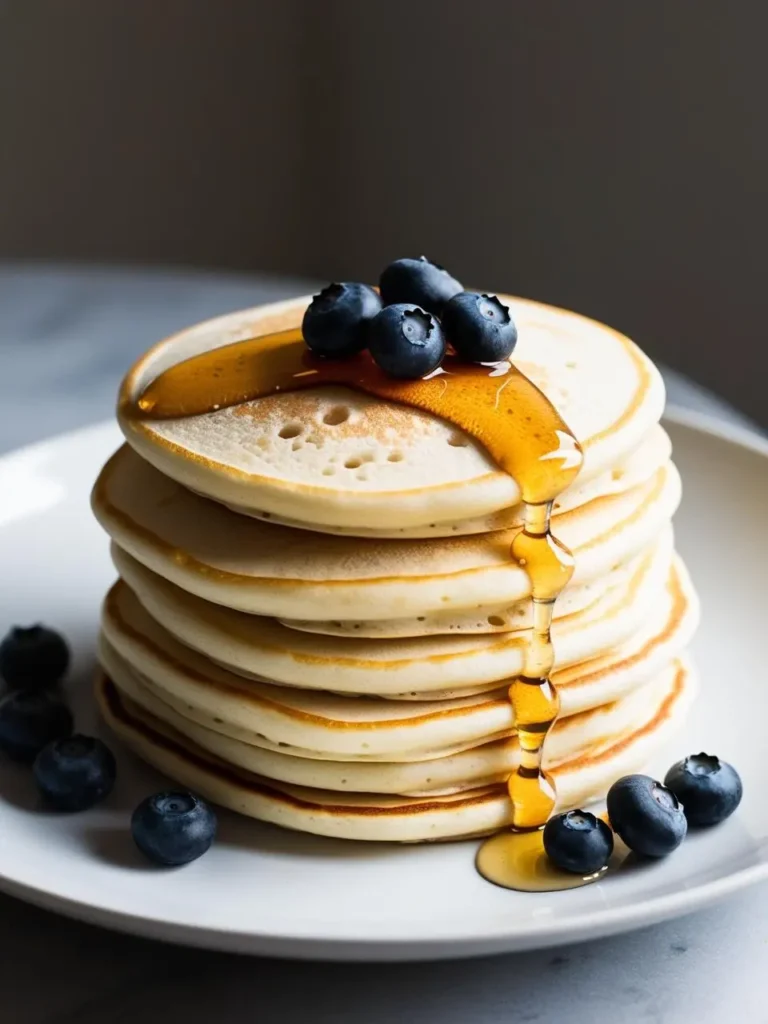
column 263, row 890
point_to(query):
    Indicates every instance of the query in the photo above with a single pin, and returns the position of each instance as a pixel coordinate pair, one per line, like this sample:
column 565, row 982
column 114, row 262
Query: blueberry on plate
column 479, row 327
column 75, row 773
column 33, row 657
column 420, row 281
column 646, row 815
column 577, row 841
column 709, row 789
column 173, row 828
column 406, row 341
column 29, row 721
column 336, row 319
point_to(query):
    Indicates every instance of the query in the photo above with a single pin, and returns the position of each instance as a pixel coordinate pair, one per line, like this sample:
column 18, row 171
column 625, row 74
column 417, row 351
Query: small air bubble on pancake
column 395, row 457
column 329, row 471
column 338, row 414
column 353, row 462
column 496, row 620
column 219, row 721
column 290, row 430
column 296, row 445
column 457, row 441
column 422, row 618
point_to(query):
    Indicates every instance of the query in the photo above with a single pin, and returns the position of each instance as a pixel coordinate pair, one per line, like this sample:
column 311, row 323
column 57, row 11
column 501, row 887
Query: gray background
column 607, row 156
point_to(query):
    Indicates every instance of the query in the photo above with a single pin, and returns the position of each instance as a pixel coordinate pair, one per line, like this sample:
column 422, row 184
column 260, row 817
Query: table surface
column 66, row 336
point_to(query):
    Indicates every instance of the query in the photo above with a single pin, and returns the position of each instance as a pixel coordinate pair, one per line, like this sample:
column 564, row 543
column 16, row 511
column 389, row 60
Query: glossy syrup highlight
column 519, row 427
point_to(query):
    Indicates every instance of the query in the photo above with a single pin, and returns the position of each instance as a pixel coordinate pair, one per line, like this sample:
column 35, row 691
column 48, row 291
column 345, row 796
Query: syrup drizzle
column 505, row 412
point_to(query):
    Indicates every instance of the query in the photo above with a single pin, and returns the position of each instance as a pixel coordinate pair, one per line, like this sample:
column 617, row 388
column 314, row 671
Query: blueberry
column 173, row 828
column 709, row 789
column 577, row 841
column 336, row 320
column 648, row 817
column 420, row 281
column 29, row 721
column 479, row 327
column 75, row 773
column 406, row 341
column 33, row 657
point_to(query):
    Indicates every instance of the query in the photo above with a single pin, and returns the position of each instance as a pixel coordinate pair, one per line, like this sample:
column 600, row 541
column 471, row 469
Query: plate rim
column 494, row 937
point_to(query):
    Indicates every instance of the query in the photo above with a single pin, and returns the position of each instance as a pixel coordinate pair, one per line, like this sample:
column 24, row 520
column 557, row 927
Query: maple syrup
column 519, row 427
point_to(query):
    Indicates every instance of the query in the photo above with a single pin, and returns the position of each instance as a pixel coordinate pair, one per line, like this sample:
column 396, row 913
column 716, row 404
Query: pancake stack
column 317, row 616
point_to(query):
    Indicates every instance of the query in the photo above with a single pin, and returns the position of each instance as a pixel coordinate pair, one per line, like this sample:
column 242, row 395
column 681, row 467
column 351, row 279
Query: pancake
column 271, row 570
column 505, row 619
column 630, row 471
column 263, row 649
column 343, row 728
column 381, row 817
column 333, row 457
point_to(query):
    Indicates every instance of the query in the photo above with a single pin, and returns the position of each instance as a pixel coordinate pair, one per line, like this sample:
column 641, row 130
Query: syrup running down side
column 519, row 427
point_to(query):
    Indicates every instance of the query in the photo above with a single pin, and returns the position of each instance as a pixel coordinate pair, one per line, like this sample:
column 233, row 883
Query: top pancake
column 333, row 458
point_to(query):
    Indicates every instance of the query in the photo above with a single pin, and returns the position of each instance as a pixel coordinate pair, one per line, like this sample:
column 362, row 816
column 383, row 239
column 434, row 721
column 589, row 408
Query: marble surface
column 66, row 335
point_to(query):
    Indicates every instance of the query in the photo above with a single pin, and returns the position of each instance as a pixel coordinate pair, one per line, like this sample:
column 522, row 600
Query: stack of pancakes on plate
column 317, row 617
